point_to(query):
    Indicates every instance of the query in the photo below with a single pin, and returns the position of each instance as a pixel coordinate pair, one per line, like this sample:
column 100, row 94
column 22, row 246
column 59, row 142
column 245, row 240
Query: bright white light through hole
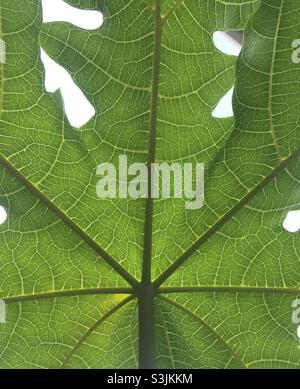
column 292, row 222
column 3, row 215
column 78, row 109
column 224, row 108
column 226, row 44
column 58, row 10
column 298, row 332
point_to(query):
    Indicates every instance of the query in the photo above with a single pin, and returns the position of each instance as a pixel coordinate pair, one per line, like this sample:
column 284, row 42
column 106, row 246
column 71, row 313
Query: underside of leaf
column 124, row 283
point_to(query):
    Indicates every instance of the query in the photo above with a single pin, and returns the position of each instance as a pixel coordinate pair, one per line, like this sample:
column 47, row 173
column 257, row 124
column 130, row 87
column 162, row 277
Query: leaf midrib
column 148, row 225
column 275, row 142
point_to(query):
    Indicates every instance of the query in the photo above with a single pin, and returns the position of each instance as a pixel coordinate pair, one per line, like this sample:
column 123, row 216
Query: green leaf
column 124, row 283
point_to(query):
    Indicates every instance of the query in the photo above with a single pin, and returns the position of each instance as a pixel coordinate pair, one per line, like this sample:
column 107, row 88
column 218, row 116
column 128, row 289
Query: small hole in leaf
column 3, row 215
column 229, row 43
column 58, row 10
column 298, row 332
column 224, row 108
column 77, row 107
column 292, row 222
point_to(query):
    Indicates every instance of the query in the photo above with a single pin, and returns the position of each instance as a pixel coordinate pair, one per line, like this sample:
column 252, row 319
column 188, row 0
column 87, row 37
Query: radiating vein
column 94, row 327
column 207, row 326
column 66, row 293
column 229, row 288
column 272, row 70
column 223, row 220
column 73, row 226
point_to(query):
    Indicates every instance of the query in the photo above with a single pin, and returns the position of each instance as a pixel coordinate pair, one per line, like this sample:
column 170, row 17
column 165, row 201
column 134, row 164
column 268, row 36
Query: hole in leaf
column 58, row 10
column 292, row 221
column 229, row 43
column 77, row 107
column 3, row 215
column 224, row 108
